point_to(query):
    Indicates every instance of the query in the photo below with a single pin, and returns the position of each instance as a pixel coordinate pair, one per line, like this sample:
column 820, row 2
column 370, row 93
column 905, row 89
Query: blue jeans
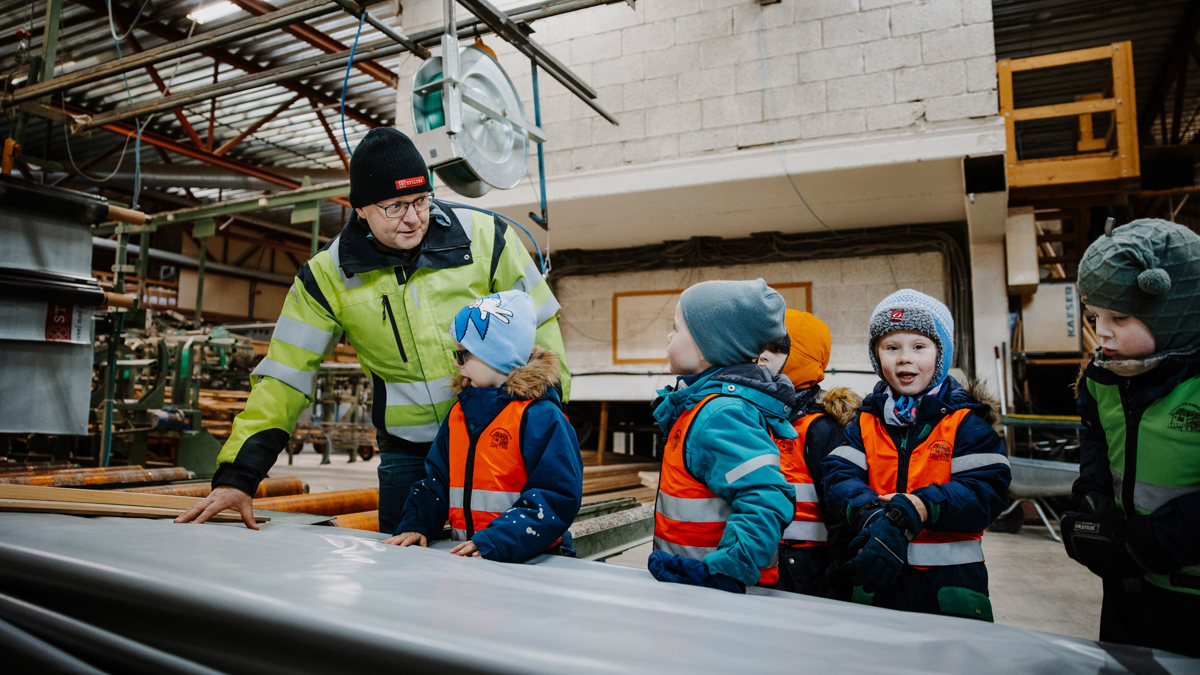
column 397, row 472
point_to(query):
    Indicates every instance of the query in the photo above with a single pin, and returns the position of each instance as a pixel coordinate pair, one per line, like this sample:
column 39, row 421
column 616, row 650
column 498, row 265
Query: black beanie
column 386, row 164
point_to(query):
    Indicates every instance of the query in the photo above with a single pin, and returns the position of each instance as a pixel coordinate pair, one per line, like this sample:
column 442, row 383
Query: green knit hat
column 1150, row 270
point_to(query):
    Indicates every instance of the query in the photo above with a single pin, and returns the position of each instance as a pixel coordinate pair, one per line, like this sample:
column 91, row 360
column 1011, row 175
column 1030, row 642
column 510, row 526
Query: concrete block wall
column 844, row 291
column 692, row 77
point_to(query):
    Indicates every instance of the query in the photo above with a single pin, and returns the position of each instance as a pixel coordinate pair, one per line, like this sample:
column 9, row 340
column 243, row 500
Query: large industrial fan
column 470, row 125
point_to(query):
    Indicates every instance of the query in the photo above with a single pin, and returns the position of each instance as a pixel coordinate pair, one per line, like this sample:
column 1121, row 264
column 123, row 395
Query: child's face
column 772, row 361
column 908, row 361
column 476, row 373
column 1121, row 335
column 682, row 353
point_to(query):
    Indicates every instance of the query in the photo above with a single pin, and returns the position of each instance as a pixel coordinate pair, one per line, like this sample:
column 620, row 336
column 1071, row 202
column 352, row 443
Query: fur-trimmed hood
column 530, row 381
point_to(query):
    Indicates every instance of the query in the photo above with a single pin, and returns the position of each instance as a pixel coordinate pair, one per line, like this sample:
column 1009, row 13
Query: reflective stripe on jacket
column 929, row 463
column 808, row 524
column 1159, row 439
column 487, row 476
column 397, row 322
column 689, row 519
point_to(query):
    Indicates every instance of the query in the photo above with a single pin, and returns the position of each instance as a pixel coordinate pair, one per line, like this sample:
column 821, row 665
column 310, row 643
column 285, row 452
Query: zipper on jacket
column 387, row 314
column 902, row 464
column 1133, row 418
column 468, row 486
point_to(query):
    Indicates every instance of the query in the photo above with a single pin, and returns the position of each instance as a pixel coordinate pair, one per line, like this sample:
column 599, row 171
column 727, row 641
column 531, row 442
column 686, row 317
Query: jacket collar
column 772, row 394
column 445, row 245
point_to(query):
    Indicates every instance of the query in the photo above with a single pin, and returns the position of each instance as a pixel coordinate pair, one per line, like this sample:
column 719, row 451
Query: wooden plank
column 86, row 509
column 1061, row 58
column 1064, row 110
column 79, row 495
column 644, row 495
column 619, row 469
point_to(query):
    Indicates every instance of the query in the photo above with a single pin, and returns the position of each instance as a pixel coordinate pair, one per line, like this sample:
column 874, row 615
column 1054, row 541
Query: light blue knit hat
column 909, row 310
column 498, row 329
column 731, row 321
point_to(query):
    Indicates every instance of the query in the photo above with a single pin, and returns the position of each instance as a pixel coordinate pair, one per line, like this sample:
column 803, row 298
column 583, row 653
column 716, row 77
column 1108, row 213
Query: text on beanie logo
column 897, row 315
column 409, row 182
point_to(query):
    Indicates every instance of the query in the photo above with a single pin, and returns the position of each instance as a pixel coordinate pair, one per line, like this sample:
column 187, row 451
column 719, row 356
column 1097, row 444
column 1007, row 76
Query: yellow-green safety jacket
column 395, row 308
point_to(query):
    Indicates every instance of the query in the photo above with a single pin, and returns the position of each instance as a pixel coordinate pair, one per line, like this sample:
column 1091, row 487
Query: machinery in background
column 157, row 375
column 340, row 418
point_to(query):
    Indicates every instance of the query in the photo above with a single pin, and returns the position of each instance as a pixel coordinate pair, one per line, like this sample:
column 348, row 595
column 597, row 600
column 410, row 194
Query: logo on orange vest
column 500, row 438
column 1185, row 418
column 410, row 182
column 897, row 315
column 941, row 451
column 675, row 438
column 786, row 445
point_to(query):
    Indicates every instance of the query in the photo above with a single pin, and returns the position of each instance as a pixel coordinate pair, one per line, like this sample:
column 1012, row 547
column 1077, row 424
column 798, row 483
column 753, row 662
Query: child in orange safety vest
column 802, row 356
column 505, row 467
column 722, row 501
column 922, row 472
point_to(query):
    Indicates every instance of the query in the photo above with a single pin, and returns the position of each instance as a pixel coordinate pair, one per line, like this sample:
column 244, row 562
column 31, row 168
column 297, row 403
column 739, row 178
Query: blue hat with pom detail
column 1150, row 270
column 499, row 329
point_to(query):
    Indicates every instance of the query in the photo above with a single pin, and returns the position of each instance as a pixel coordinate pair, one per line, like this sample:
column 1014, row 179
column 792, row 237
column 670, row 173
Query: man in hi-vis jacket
column 390, row 282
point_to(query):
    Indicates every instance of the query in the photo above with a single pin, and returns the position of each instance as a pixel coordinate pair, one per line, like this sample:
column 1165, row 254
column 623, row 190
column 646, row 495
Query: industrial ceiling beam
column 298, row 196
column 164, row 90
column 291, row 71
column 320, row 40
column 241, row 29
column 374, row 50
column 172, row 35
column 233, row 142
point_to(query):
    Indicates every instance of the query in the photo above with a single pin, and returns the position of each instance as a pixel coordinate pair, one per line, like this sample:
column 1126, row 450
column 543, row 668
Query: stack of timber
column 612, row 481
column 218, row 407
column 96, row 476
column 81, row 502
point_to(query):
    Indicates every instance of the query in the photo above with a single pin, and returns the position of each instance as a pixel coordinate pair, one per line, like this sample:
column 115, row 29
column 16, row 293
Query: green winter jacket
column 396, row 311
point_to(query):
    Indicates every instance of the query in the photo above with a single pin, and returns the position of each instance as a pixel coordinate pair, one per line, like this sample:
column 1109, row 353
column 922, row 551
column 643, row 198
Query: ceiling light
column 213, row 11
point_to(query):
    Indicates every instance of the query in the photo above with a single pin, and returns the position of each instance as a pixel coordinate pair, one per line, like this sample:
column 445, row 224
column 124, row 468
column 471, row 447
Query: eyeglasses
column 460, row 356
column 420, row 205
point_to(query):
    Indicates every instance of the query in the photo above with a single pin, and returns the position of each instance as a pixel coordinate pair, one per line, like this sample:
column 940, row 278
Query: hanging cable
column 346, row 81
column 538, row 249
column 762, row 61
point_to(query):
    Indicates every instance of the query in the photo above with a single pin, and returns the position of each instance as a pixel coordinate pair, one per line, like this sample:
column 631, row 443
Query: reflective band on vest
column 498, row 473
column 689, row 519
column 1166, row 434
column 929, row 463
column 808, row 522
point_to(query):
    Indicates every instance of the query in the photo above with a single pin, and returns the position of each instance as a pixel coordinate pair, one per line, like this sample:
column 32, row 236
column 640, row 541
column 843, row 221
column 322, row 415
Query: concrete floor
column 1033, row 583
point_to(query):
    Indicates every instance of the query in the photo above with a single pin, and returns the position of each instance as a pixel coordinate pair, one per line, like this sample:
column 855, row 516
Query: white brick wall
column 844, row 291
column 687, row 76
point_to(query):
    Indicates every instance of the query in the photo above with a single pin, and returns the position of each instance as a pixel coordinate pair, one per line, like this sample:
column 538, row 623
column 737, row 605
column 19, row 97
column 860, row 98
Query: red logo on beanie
column 409, row 182
column 897, row 315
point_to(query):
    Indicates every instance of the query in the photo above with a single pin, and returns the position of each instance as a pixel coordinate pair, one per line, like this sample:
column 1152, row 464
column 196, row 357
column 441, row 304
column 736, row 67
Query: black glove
column 1095, row 538
column 884, row 543
column 1143, row 548
column 678, row 569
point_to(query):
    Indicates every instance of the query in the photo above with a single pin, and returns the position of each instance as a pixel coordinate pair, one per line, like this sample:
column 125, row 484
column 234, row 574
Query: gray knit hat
column 909, row 310
column 731, row 321
column 1150, row 270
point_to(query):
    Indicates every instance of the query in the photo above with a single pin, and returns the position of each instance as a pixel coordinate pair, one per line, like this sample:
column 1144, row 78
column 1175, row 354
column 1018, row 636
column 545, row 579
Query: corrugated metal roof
column 295, row 138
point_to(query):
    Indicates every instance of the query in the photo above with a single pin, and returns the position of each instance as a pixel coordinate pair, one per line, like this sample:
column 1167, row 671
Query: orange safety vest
column 485, row 484
column 808, row 523
column 689, row 519
column 928, row 464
